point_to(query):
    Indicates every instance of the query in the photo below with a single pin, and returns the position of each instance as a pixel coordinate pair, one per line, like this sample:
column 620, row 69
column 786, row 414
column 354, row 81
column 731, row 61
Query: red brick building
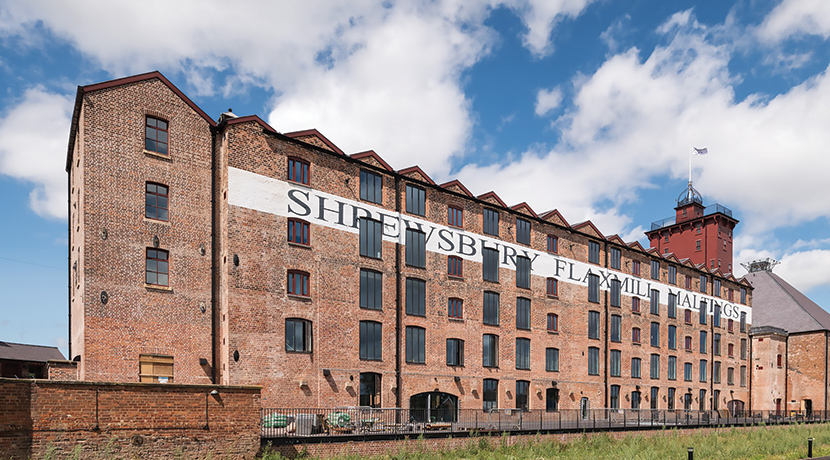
column 229, row 252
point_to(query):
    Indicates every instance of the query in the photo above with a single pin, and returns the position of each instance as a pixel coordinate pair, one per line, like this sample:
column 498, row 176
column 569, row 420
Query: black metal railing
column 364, row 421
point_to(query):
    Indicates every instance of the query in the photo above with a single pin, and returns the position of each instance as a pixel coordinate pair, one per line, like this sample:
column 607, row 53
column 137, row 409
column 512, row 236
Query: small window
column 523, row 353
column 298, row 335
column 635, row 305
column 490, row 350
column 553, row 244
column 416, row 199
column 298, row 232
column 687, row 372
column 553, row 322
column 654, row 302
column 491, row 221
column 371, row 232
column 455, row 266
column 416, row 291
column 552, row 288
column 522, row 231
column 455, row 308
column 635, row 335
column 730, row 375
column 415, row 345
column 716, row 288
column 370, row 340
column 703, row 284
column 298, row 171
column 552, row 359
column 371, row 289
column 672, row 307
column 614, row 256
column 523, row 272
column 490, row 394
column 455, row 216
column 730, row 350
column 156, row 201
column 743, row 295
column 687, row 316
column 655, row 334
column 636, row 364
column 455, row 352
column 522, row 313
column 155, row 135
column 593, row 361
column 155, row 369
column 593, row 325
column 522, row 394
column 655, row 269
column 672, row 274
column 593, row 288
column 666, row 239
column 635, row 268
column 687, row 343
column 593, row 252
column 491, row 308
column 416, row 250
column 614, row 368
column 616, row 328
column 779, row 361
column 298, row 283
column 730, row 293
column 616, row 293
column 157, row 268
column 490, row 264
column 654, row 366
column 371, row 187
column 688, row 282
column 697, row 245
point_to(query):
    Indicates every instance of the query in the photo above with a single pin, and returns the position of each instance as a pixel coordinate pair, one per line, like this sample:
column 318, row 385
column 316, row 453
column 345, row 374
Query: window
column 716, row 372
column 416, row 199
column 522, row 394
column 635, row 368
column 703, row 370
column 455, row 308
column 616, row 328
column 298, row 335
column 370, row 340
column 370, row 389
column 371, row 289
column 490, row 350
column 491, row 221
column 635, row 399
column 687, row 343
column 298, row 232
column 687, row 372
column 522, row 353
column 415, row 345
column 716, row 287
column 730, row 294
column 155, row 201
column 743, row 348
column 635, row 335
column 688, row 282
column 490, row 264
column 703, row 282
column 371, row 232
column 703, row 340
column 697, row 243
column 523, row 272
column 743, row 321
column 155, row 369
column 455, row 216
column 666, row 239
column 671, row 369
column 635, row 268
column 654, row 366
column 522, row 231
column 779, row 361
column 593, row 288
column 614, row 256
column 157, row 268
column 155, row 135
column 716, row 315
column 298, row 171
column 491, row 308
column 553, row 322
column 416, row 294
column 672, row 337
column 455, row 352
column 730, row 325
column 614, row 401
column 593, row 252
column 654, row 302
column 743, row 376
column 672, row 274
column 371, row 187
column 743, row 295
column 552, row 359
column 702, row 312
column 593, row 325
column 614, row 367
column 730, row 375
column 716, row 344
column 670, row 401
column 730, row 350
column 553, row 244
column 490, row 394
column 697, row 227
column 635, row 305
column 552, row 287
column 616, row 293
column 655, row 334
column 455, row 266
column 687, row 316
column 298, row 283
column 672, row 310
column 655, row 269
column 522, row 313
column 416, row 255
column 593, row 361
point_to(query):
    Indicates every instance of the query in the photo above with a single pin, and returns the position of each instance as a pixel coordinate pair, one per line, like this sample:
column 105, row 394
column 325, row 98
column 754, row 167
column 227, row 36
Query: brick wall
column 62, row 370
column 127, row 420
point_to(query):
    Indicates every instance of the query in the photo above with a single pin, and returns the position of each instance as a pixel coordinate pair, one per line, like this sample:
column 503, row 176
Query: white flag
column 702, row 151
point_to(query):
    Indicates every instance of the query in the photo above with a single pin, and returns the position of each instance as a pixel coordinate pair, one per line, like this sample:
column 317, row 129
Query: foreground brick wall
column 127, row 420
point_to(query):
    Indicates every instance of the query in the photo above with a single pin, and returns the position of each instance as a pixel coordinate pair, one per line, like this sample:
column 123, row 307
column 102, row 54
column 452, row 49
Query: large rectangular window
column 654, row 368
column 716, row 314
column 614, row 256
column 655, row 269
column 155, row 201
column 491, row 308
column 716, row 344
column 370, row 340
column 157, row 268
column 490, row 394
column 491, row 221
column 522, row 313
column 616, row 293
column 672, row 274
column 616, row 328
column 743, row 348
column 672, row 337
column 702, row 312
column 415, row 345
column 672, row 310
column 703, row 341
column 593, row 361
column 635, row 368
column 593, row 288
column 716, row 372
column 522, row 231
column 703, row 281
column 743, row 376
column 593, row 325
column 298, row 335
column 671, row 369
column 371, row 289
column 490, row 350
column 654, row 302
column 703, row 370
column 455, row 352
column 371, row 232
column 743, row 321
column 416, row 251
column 298, row 283
column 523, row 272
column 155, row 135
column 743, row 295
column 614, row 368
column 490, row 264
column 670, row 401
column 687, row 372
column 155, row 369
column 552, row 359
column 522, row 394
column 522, row 353
column 455, row 216
column 416, row 294
column 655, row 334
column 593, row 252
column 716, row 287
column 371, row 187
column 614, row 401
column 416, row 199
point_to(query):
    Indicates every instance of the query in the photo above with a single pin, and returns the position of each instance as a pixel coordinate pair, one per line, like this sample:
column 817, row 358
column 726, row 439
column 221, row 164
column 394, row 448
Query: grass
column 764, row 443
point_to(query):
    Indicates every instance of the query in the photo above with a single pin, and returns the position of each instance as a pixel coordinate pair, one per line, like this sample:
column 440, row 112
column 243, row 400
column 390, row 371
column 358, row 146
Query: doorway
column 584, row 407
column 433, row 406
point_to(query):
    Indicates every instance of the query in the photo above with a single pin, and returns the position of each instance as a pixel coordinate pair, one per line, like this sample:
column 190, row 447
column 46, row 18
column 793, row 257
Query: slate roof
column 31, row 353
column 777, row 303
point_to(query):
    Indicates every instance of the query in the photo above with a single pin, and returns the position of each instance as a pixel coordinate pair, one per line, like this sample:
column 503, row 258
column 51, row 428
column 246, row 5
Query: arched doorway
column 433, row 406
column 736, row 407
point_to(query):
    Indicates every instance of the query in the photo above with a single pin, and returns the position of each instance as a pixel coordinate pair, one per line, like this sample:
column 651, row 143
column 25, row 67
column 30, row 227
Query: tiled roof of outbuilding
column 31, row 353
column 777, row 303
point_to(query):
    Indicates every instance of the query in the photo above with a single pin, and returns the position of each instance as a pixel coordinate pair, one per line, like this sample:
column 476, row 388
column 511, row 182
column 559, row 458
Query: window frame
column 594, row 325
column 156, row 129
column 615, row 363
column 614, row 257
column 636, row 335
column 654, row 338
column 415, row 303
column 371, row 186
column 490, row 360
column 654, row 302
column 306, row 332
column 416, row 200
column 304, row 170
column 415, row 248
column 552, row 287
column 522, row 353
column 553, row 322
column 304, row 280
column 553, row 244
column 615, row 293
column 551, row 359
column 154, row 255
column 455, row 216
column 593, row 252
column 523, row 270
column 151, row 362
column 523, row 313
column 523, row 231
column 655, row 270
column 490, row 265
column 370, row 235
column 455, row 308
column 636, row 367
column 593, row 288
column 371, row 293
column 304, row 235
column 415, row 345
column 156, row 196
column 373, row 338
column 615, row 329
column 672, row 274
column 455, row 266
column 593, row 360
column 455, row 353
column 490, row 221
column 490, row 307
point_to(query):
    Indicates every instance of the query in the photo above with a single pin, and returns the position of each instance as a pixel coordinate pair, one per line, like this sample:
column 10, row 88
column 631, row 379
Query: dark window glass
column 635, row 335
column 416, row 251
column 553, row 322
column 490, row 350
column 416, row 294
column 552, row 287
column 416, row 199
column 455, row 352
column 522, row 394
column 490, row 394
column 522, row 353
column 415, row 345
column 615, row 366
column 593, row 324
column 716, row 344
column 672, row 337
column 635, row 268
column 455, row 266
column 371, row 232
column 455, row 308
column 298, row 232
column 671, row 370
column 552, row 359
column 616, row 293
column 593, row 288
column 552, row 399
column 672, row 274
column 616, row 328
column 730, row 376
column 370, row 389
column 687, row 316
column 687, row 372
column 522, row 272
column 298, row 283
column 370, row 340
column 654, row 300
column 655, row 269
column 371, row 187
column 371, row 289
column 635, row 399
column 716, row 372
column 593, row 361
column 553, row 244
column 743, row 376
column 655, row 397
column 635, row 305
column 655, row 334
column 455, row 216
column 687, row 345
column 743, row 321
column 635, row 368
column 491, row 308
column 298, row 335
column 672, row 312
column 522, row 313
column 702, row 312
column 298, row 170
column 155, row 201
column 614, row 256
column 490, row 264
column 157, row 267
column 716, row 288
column 703, row 282
column 654, row 366
column 593, row 252
column 491, row 221
column 522, row 231
column 703, row 370
column 155, row 135
column 743, row 348
column 743, row 295
column 703, row 340
column 716, row 316
column 614, row 401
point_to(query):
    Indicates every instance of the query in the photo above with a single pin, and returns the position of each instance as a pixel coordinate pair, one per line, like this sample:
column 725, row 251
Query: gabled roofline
column 588, row 223
column 615, row 239
column 457, row 183
column 525, row 206
column 251, row 118
column 554, row 212
column 318, row 134
column 492, row 194
column 636, row 245
column 416, row 168
column 372, row 154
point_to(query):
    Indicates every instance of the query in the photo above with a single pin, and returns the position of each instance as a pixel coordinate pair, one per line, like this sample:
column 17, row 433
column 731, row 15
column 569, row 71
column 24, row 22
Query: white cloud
column 33, row 139
column 805, row 270
column 547, row 100
column 796, row 17
column 540, row 18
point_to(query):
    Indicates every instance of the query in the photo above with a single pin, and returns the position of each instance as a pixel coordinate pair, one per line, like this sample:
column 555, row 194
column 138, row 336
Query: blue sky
column 586, row 106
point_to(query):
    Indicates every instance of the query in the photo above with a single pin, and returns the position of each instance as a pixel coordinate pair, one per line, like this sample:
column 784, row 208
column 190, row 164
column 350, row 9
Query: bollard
column 691, row 453
column 809, row 447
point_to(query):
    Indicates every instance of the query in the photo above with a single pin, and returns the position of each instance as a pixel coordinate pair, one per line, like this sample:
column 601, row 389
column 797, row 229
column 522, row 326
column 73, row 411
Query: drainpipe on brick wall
column 398, row 300
column 607, row 352
column 710, row 286
column 213, row 268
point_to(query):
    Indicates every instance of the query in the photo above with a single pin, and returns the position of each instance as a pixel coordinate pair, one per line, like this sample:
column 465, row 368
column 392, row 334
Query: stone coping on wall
column 133, row 384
